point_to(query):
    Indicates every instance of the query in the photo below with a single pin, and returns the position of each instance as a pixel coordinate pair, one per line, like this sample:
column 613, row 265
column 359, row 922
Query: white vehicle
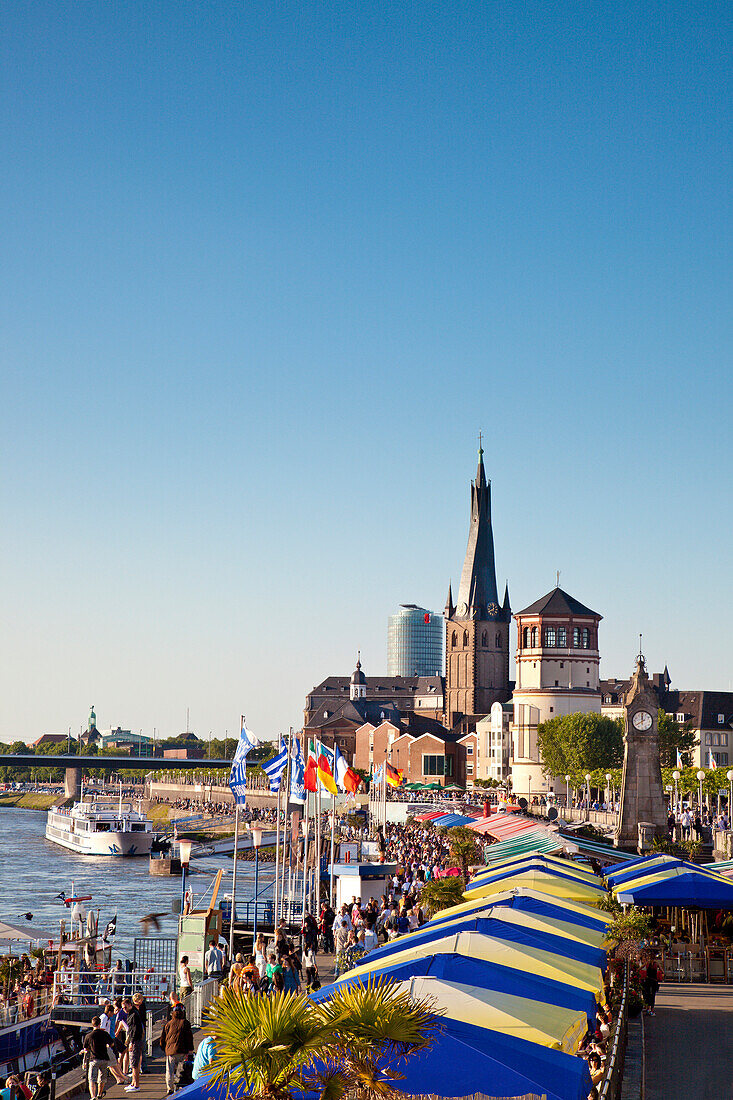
column 101, row 827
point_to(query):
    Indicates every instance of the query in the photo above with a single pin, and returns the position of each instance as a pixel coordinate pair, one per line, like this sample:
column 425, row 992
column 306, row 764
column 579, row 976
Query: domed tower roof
column 357, row 676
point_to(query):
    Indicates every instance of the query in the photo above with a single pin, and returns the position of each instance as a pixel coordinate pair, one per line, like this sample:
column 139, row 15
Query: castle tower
column 477, row 626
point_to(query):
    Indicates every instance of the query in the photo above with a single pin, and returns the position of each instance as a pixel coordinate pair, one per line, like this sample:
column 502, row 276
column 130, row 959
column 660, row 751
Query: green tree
column 464, row 848
column 580, row 743
column 673, row 736
column 277, row 1046
column 441, row 893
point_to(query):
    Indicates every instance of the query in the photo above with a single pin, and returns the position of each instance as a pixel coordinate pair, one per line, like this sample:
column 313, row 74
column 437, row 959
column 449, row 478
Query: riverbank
column 26, row 800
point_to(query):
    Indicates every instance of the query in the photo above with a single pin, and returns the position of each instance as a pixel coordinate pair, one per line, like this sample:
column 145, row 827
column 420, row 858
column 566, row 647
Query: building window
column 721, row 719
column 607, row 699
column 562, row 637
column 550, row 637
column 498, row 641
column 576, row 637
column 454, row 639
column 721, row 758
column 525, row 636
column 484, row 639
column 469, row 769
column 465, row 638
column 433, row 765
column 557, row 683
column 469, row 750
column 586, row 638
column 534, row 637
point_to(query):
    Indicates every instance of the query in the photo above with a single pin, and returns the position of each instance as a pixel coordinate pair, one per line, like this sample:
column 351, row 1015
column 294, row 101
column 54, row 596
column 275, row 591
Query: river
column 33, row 872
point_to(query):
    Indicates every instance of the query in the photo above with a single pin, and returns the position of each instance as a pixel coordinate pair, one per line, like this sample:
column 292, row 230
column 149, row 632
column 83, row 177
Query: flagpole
column 280, row 885
column 305, row 853
column 333, row 819
column 286, row 832
column 234, row 880
column 277, row 858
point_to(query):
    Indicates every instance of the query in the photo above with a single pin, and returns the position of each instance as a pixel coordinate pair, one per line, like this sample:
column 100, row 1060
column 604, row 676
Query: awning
column 547, row 881
column 19, row 933
column 692, row 888
column 533, row 863
column 531, row 901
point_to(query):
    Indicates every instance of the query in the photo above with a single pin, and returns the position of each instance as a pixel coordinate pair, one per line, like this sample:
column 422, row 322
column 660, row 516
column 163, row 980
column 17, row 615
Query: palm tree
column 464, row 848
column 441, row 893
column 285, row 1043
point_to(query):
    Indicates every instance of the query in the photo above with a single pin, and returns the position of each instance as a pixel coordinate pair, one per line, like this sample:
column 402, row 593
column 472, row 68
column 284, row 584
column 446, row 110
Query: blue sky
column 269, row 268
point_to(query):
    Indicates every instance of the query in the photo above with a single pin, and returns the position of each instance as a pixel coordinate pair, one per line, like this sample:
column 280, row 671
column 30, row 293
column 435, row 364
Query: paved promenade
column 689, row 1043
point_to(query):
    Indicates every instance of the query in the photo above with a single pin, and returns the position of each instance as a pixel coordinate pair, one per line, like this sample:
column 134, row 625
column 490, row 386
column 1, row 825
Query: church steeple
column 449, row 605
column 478, row 597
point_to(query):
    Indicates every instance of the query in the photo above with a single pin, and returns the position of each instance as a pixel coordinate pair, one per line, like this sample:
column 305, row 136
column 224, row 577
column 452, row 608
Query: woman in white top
column 260, row 955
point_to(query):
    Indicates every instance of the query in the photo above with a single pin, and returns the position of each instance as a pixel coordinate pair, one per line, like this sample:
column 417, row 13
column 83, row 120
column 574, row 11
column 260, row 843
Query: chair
column 698, row 968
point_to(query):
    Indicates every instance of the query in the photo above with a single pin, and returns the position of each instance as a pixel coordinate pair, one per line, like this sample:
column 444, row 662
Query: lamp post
column 587, row 788
column 184, row 849
column 700, row 777
column 609, row 799
column 256, row 841
column 729, row 777
column 567, row 792
column 676, row 776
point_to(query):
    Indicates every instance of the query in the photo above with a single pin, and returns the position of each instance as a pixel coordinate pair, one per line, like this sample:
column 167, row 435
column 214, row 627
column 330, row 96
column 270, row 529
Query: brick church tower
column 477, row 626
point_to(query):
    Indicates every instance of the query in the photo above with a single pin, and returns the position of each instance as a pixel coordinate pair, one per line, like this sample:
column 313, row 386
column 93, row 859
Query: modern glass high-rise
column 414, row 642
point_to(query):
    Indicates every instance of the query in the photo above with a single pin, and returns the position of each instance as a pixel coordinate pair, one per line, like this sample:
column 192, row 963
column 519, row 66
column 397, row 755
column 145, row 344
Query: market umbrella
column 535, row 1021
column 515, row 955
column 532, row 863
column 691, row 888
column 651, row 866
column 547, row 881
column 550, row 861
column 533, row 900
column 556, row 921
column 484, row 975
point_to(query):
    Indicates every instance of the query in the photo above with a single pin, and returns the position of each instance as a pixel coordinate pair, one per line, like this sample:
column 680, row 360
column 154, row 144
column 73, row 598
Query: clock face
column 642, row 720
column 462, row 609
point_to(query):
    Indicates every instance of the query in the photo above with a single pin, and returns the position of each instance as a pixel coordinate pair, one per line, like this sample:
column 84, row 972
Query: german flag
column 394, row 776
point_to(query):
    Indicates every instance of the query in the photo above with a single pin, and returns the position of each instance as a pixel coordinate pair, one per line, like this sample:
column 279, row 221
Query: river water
column 33, row 871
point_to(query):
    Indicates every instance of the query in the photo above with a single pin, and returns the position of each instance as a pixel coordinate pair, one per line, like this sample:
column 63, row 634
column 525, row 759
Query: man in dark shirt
column 97, row 1044
column 135, row 1039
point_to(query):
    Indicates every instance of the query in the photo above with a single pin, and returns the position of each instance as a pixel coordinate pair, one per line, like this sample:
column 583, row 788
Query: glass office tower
column 414, row 642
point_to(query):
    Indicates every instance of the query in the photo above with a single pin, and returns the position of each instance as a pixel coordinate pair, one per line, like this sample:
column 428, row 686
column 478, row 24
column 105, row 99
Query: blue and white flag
column 238, row 774
column 297, row 774
column 274, row 768
column 377, row 775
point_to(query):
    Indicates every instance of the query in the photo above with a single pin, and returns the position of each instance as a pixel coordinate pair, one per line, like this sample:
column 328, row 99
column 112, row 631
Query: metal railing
column 14, row 1012
column 199, row 1000
column 93, row 987
column 611, row 1084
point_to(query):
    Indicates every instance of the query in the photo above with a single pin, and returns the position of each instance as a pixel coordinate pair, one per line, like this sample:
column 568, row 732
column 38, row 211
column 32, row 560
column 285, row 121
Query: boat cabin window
column 102, row 827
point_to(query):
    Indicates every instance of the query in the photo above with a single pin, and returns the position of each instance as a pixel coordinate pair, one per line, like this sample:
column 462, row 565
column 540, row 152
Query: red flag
column 427, row 617
column 310, row 777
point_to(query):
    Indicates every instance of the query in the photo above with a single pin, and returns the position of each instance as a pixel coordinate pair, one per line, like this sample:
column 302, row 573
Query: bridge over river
column 75, row 765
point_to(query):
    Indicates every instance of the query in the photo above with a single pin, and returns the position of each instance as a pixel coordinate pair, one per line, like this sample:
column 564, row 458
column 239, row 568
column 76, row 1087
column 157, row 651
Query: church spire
column 477, row 595
column 449, row 605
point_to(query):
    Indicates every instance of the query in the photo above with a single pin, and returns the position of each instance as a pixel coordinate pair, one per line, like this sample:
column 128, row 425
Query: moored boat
column 100, row 828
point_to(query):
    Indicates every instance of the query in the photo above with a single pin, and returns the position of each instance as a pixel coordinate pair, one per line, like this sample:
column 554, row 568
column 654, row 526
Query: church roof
column 558, row 602
column 478, row 597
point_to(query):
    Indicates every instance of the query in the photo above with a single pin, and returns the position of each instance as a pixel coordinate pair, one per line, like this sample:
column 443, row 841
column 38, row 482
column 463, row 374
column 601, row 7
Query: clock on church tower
column 642, row 794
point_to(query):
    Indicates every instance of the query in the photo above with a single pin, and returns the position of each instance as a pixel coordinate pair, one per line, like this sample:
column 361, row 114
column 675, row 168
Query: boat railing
column 26, row 1005
column 94, row 987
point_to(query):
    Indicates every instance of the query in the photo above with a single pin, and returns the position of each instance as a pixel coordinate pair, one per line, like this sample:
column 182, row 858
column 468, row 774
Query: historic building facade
column 557, row 664
column 476, row 625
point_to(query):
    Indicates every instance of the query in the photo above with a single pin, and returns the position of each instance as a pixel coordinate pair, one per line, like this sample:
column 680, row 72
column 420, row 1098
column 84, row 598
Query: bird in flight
column 152, row 919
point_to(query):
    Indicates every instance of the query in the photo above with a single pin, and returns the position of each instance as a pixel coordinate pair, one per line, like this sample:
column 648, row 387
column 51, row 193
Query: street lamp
column 184, row 850
column 608, row 786
column 729, row 777
column 256, row 841
column 567, row 792
column 676, row 776
column 700, row 777
column 587, row 788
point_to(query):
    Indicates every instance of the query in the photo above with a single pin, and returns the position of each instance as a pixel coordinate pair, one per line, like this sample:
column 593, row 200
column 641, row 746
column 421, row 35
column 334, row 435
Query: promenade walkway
column 689, row 1043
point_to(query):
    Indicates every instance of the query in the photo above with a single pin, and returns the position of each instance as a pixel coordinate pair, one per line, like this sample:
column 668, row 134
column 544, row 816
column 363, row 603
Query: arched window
column 498, row 641
column 525, row 634
column 454, row 639
column 484, row 639
column 586, row 638
column 465, row 637
column 534, row 637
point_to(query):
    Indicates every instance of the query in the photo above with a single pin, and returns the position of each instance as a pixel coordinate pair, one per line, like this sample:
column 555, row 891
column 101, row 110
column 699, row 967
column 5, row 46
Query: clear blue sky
column 266, row 271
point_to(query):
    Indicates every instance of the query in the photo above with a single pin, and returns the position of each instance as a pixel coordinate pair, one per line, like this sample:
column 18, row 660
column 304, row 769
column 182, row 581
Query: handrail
column 610, row 1085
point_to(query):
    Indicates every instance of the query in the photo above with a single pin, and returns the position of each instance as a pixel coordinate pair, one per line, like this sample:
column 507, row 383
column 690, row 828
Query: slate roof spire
column 477, row 595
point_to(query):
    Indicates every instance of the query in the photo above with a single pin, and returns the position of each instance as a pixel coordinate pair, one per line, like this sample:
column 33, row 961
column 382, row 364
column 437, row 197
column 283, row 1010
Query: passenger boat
column 101, row 827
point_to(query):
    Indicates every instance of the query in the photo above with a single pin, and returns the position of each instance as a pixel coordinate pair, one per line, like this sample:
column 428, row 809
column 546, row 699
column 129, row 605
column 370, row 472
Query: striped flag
column 274, row 768
column 238, row 774
column 711, row 760
column 297, row 772
column 347, row 779
column 310, row 778
column 326, row 764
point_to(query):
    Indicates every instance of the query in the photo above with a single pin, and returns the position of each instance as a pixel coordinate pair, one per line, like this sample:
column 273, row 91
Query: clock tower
column 642, row 794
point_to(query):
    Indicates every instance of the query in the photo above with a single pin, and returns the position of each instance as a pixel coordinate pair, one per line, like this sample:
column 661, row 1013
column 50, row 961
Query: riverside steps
column 688, row 1044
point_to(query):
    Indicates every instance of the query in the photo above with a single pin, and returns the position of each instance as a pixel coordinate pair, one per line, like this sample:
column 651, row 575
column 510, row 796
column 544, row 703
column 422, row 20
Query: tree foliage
column 464, row 848
column 673, row 737
column 580, row 743
column 441, row 893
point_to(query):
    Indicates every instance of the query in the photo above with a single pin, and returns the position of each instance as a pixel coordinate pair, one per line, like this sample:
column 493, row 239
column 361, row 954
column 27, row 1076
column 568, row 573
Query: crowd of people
column 27, row 992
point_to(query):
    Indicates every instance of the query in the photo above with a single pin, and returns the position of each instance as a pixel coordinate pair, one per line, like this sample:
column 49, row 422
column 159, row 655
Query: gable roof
column 559, row 602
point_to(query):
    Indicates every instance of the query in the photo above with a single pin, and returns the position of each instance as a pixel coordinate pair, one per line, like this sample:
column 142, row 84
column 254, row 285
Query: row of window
column 437, row 765
column 716, row 738
column 556, row 637
column 484, row 639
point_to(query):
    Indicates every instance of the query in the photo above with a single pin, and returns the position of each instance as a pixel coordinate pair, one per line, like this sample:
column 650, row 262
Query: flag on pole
column 377, row 777
column 297, row 773
column 274, row 768
column 711, row 760
column 326, row 768
column 111, row 930
column 347, row 779
column 310, row 779
column 679, row 759
column 395, row 777
column 238, row 774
